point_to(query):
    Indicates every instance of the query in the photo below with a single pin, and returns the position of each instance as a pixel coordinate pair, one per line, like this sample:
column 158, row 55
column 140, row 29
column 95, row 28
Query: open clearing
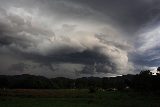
column 76, row 98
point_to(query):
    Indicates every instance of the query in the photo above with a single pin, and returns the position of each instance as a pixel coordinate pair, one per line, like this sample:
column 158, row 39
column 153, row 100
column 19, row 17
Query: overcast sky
column 75, row 38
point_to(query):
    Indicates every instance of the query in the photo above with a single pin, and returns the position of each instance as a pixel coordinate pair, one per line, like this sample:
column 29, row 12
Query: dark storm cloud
column 148, row 58
column 100, row 68
column 87, row 57
column 88, row 37
column 21, row 67
column 37, row 43
column 130, row 14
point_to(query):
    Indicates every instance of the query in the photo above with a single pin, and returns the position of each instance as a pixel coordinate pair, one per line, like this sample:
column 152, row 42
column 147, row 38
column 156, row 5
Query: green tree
column 158, row 69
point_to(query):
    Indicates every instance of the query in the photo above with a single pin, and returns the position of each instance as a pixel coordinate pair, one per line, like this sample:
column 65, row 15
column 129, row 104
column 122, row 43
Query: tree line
column 144, row 81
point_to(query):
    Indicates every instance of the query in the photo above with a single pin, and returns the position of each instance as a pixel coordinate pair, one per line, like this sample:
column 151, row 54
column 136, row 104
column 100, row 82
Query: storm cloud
column 75, row 38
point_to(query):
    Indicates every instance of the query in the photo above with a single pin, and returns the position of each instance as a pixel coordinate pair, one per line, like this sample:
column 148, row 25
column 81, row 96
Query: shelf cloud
column 74, row 38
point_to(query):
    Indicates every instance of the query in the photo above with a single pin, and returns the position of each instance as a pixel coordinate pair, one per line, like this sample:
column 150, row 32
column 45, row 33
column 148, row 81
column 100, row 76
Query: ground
column 76, row 98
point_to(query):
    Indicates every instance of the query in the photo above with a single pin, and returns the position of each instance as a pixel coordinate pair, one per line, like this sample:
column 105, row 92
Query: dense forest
column 144, row 81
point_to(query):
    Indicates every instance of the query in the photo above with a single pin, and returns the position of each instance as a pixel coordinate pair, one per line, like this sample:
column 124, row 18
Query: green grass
column 77, row 98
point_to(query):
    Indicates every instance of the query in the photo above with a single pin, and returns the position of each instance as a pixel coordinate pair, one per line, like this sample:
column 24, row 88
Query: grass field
column 76, row 98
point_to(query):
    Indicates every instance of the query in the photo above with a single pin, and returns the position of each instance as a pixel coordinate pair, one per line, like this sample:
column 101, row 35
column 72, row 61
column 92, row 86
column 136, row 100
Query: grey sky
column 74, row 38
